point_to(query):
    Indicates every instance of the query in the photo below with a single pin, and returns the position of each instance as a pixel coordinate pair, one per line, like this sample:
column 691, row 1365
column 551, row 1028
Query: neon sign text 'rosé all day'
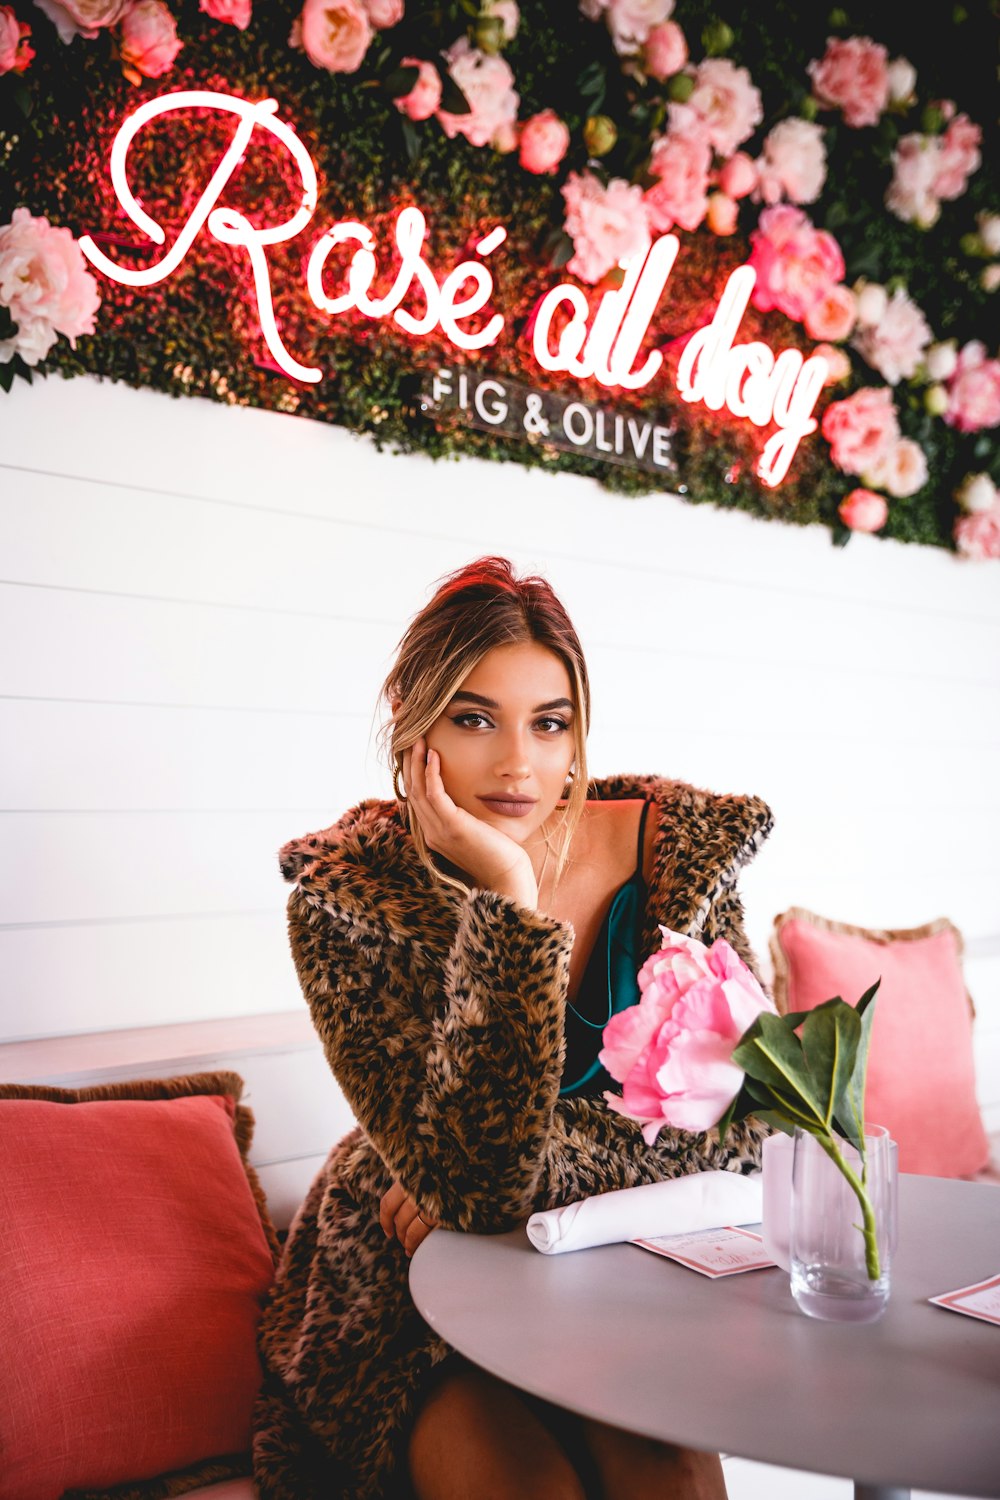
column 603, row 344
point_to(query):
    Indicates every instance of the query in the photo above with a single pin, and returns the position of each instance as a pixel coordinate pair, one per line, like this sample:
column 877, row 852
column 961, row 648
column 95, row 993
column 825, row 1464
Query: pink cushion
column 921, row 1081
column 133, row 1261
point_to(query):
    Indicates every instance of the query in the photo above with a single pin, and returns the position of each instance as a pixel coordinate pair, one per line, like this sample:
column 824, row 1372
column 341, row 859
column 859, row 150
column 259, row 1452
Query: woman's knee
column 632, row 1467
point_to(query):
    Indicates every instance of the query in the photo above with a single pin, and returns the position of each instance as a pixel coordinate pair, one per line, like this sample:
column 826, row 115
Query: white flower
column 989, row 278
column 902, row 80
column 977, row 492
column 941, row 360
column 989, row 232
column 793, row 165
column 872, row 301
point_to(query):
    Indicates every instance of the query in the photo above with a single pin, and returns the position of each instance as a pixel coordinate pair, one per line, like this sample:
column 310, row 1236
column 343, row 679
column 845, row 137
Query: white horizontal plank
column 178, row 548
column 245, row 455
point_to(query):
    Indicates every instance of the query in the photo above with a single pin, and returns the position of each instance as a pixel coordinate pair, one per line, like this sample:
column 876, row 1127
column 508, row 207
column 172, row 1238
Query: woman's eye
column 471, row 721
column 551, row 725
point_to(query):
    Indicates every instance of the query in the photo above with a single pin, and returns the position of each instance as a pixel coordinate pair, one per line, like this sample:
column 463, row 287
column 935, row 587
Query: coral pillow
column 921, row 1080
column 133, row 1261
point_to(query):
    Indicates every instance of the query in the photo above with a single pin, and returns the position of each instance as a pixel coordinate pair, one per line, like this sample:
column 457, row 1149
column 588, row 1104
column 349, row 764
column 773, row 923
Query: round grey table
column 732, row 1365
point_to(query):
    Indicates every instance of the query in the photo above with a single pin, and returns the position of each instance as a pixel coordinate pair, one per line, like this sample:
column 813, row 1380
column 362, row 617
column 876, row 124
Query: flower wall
column 851, row 165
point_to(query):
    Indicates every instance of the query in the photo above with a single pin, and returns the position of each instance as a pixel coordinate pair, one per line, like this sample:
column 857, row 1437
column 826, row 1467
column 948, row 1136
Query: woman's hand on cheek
column 492, row 860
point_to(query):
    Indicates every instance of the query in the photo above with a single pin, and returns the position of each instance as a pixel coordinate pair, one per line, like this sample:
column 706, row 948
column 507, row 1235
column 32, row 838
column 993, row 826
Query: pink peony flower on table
column 335, row 34
column 631, row 21
column 384, row 13
column 682, row 163
column 974, row 390
column 862, row 429
column 793, row 164
column 672, row 1052
column 978, row 536
column 832, row 315
column 15, row 54
column 425, row 96
column 796, row 264
column 910, row 195
column 606, row 224
column 862, row 510
column 666, row 51
column 45, row 285
column 149, row 41
column 84, row 18
column 895, row 344
column 232, row 12
column 725, row 102
column 853, row 76
column 958, row 158
column 544, row 139
column 488, row 84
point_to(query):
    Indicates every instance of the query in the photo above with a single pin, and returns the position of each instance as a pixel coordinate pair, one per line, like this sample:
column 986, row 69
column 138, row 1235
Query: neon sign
column 603, row 344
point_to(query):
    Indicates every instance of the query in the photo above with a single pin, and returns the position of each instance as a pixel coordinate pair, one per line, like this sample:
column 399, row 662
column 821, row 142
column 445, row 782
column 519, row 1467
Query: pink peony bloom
column 902, row 472
column 425, row 96
column 853, row 76
column 863, row 511
column 902, row 80
column 895, row 345
column 738, row 176
column 334, row 33
column 723, row 214
column 959, row 157
column 832, row 315
column 149, row 41
column 45, row 284
column 725, row 102
column 974, row 390
column 507, row 13
column 234, row 12
column 672, row 1052
column 910, row 195
column 838, row 365
column 796, row 264
column 606, row 224
column 488, row 84
column 793, row 164
column 15, row 54
column 544, row 139
column 862, row 429
column 631, row 21
column 666, row 51
column 85, row 18
column 384, row 13
column 978, row 536
column 682, row 164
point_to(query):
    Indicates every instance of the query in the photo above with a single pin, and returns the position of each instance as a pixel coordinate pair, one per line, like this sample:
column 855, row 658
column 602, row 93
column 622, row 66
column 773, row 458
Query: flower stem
column 858, row 1187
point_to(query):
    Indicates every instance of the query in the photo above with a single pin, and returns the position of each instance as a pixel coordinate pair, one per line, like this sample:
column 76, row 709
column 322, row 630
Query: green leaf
column 6, row 377
column 400, row 81
column 562, row 252
column 453, row 101
column 851, row 1112
column 830, row 1038
column 411, row 138
column 771, row 1052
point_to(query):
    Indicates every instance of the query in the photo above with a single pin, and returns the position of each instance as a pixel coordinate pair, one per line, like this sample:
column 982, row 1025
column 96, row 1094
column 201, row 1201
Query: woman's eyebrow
column 481, row 702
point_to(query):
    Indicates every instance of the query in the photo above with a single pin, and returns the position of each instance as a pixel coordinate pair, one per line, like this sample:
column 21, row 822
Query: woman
column 460, row 950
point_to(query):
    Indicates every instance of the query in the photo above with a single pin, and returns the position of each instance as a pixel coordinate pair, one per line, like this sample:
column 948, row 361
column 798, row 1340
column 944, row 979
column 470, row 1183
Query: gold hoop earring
column 400, row 794
column 569, row 782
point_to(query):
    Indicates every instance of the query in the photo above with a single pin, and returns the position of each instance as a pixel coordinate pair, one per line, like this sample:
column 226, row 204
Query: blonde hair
column 474, row 610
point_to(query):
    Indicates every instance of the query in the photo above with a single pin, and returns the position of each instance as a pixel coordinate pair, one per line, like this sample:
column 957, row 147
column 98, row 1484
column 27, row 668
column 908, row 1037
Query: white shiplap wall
column 200, row 602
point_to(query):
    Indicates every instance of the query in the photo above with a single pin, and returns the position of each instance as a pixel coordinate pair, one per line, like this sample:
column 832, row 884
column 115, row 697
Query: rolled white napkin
column 702, row 1200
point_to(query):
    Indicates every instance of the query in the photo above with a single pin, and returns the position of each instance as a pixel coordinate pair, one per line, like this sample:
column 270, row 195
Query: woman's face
column 506, row 739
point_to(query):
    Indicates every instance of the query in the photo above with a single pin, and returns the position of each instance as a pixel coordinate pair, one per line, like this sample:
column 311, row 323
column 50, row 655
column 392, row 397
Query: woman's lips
column 509, row 807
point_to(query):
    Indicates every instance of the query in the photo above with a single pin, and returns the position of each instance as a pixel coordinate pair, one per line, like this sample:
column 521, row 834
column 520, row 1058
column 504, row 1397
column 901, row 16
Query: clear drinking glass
column 829, row 1274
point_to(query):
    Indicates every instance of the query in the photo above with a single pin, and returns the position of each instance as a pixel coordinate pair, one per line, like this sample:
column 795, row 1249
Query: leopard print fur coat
column 441, row 1015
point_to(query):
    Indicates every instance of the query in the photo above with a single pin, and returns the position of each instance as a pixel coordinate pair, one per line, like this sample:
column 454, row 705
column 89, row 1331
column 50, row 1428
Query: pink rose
column 853, row 76
column 488, row 84
column 233, row 12
column 334, row 33
column 384, row 13
column 978, row 536
column 796, row 264
column 544, row 139
column 45, row 284
column 666, row 50
column 631, row 21
column 902, row 472
column 974, row 390
column 959, row 157
column 910, row 195
column 149, row 41
column 725, row 102
column 425, row 95
column 838, row 366
column 82, row 17
column 508, row 13
column 793, row 165
column 672, row 1052
column 682, row 164
column 894, row 346
column 832, row 315
column 861, row 429
column 863, row 511
column 606, row 224
column 723, row 214
column 15, row 54
column 738, row 176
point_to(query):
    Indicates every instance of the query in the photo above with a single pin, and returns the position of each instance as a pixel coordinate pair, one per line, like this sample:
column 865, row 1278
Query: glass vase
column 839, row 1271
